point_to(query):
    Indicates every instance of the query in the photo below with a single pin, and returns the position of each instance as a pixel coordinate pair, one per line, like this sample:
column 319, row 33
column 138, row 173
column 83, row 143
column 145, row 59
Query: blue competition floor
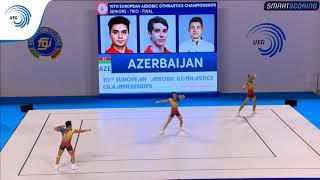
column 10, row 115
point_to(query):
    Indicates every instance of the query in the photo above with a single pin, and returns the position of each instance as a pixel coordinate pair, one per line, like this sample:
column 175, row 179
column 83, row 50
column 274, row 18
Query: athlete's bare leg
column 254, row 103
column 167, row 123
column 245, row 102
column 60, row 152
column 181, row 121
column 71, row 152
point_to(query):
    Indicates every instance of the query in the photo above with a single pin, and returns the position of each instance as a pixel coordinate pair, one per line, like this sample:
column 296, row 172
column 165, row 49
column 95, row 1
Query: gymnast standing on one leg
column 250, row 93
column 67, row 132
column 174, row 101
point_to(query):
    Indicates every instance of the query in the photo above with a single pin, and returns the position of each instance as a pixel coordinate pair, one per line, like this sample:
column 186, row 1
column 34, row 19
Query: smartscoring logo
column 46, row 44
column 268, row 38
column 291, row 5
column 19, row 15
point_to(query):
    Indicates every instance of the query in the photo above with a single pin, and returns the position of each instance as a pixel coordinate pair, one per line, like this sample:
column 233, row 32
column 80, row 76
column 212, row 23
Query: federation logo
column 268, row 38
column 102, row 8
column 46, row 44
column 19, row 15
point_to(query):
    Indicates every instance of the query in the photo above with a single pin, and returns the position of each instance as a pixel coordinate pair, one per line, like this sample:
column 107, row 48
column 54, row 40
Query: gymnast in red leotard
column 250, row 93
column 174, row 101
column 67, row 132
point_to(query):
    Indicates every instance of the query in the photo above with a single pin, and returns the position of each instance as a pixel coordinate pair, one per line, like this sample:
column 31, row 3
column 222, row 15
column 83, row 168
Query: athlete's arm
column 182, row 96
column 162, row 101
column 57, row 128
column 245, row 86
column 81, row 130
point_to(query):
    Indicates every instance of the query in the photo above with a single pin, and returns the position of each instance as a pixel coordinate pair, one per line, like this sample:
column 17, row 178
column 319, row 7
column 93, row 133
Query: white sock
column 73, row 166
column 161, row 132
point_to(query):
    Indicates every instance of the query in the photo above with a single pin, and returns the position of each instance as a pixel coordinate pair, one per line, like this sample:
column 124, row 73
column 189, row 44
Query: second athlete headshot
column 155, row 32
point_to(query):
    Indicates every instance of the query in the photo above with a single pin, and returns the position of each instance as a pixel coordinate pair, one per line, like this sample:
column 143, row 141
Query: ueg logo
column 268, row 38
column 19, row 15
column 20, row 19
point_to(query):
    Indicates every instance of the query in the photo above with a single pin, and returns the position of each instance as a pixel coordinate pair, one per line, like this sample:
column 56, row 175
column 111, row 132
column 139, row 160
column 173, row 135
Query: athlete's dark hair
column 68, row 123
column 177, row 96
column 196, row 19
column 118, row 20
column 156, row 19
